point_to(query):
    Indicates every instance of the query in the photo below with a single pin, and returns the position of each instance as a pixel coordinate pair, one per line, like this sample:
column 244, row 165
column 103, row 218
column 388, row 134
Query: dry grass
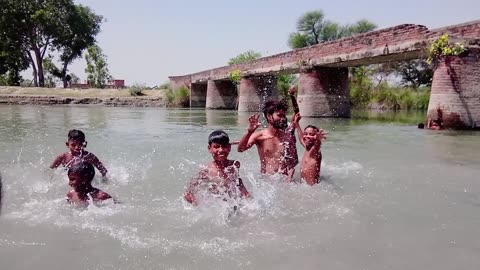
column 36, row 91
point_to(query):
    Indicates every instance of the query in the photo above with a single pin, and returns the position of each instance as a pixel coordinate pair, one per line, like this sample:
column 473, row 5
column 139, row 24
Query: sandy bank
column 54, row 96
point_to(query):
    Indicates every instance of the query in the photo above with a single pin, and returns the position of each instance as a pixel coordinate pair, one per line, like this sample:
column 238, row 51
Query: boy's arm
column 291, row 92
column 192, row 188
column 58, row 161
column 243, row 190
column 429, row 122
column 247, row 140
column 296, row 125
column 99, row 165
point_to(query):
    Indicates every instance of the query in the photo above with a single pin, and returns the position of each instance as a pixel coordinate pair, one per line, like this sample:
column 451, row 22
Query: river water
column 391, row 197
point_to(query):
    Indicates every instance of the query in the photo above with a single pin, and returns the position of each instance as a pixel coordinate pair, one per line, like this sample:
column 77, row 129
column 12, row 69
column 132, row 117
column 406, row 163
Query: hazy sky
column 146, row 40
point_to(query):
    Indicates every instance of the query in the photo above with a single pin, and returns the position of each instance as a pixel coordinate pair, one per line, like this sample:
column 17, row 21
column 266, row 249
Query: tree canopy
column 312, row 28
column 29, row 29
column 244, row 57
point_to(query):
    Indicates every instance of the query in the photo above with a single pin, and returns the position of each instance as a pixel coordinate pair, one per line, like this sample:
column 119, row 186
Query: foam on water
column 37, row 197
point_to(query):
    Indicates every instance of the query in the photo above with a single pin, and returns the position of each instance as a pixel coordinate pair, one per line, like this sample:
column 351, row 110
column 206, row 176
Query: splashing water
column 367, row 208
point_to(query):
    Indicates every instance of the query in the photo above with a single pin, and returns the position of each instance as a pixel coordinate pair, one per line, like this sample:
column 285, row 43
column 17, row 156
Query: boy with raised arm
column 311, row 138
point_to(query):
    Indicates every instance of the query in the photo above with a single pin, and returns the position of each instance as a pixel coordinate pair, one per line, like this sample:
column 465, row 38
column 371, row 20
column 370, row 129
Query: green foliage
column 178, row 97
column 361, row 26
column 244, row 57
column 422, row 99
column 97, row 69
column 405, row 98
column 284, row 82
column 313, row 29
column 137, row 89
column 297, row 40
column 31, row 28
column 235, row 76
column 415, row 73
column 442, row 48
column 165, row 85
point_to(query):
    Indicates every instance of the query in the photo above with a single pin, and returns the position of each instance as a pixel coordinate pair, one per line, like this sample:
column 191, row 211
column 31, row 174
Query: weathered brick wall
column 221, row 95
column 456, row 89
column 464, row 30
column 324, row 92
column 255, row 91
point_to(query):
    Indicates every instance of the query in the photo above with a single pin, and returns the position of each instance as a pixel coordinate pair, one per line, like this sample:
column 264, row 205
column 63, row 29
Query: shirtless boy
column 80, row 176
column 76, row 144
column 311, row 138
column 221, row 176
column 275, row 144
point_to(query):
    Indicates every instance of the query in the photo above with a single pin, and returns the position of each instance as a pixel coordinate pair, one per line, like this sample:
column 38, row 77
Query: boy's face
column 76, row 181
column 278, row 119
column 219, row 151
column 310, row 135
column 75, row 146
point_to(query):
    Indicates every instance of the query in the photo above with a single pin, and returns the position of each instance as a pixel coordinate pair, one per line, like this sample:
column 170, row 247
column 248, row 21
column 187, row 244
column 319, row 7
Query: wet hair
column 274, row 105
column 310, row 126
column 76, row 135
column 84, row 169
column 218, row 136
column 421, row 125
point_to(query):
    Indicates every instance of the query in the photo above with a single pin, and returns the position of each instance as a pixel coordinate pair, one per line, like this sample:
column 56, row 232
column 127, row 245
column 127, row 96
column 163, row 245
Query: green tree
column 79, row 33
column 38, row 26
column 312, row 28
column 415, row 73
column 244, row 57
column 97, row 69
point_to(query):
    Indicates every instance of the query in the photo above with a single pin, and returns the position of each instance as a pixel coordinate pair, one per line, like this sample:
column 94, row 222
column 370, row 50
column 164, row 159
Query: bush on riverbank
column 179, row 97
column 384, row 96
column 137, row 90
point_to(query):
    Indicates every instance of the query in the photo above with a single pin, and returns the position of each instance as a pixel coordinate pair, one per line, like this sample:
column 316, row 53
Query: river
column 391, row 197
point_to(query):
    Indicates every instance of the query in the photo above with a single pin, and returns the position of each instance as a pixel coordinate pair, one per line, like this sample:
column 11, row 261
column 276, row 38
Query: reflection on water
column 391, row 197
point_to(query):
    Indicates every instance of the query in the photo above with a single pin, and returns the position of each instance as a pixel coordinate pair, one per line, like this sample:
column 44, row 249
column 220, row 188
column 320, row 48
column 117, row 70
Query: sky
column 146, row 40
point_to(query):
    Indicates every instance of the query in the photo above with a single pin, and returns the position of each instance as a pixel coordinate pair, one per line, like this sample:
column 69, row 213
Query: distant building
column 116, row 84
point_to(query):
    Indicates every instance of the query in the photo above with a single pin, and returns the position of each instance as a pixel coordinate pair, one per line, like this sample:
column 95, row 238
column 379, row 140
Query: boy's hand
column 322, row 135
column 254, row 123
column 296, row 119
column 292, row 90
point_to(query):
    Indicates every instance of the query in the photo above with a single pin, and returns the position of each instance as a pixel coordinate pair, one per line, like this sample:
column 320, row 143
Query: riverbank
column 106, row 97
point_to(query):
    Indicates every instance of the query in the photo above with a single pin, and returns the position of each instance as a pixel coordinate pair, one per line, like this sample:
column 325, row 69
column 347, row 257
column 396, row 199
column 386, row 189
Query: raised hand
column 296, row 119
column 292, row 90
column 253, row 122
column 322, row 135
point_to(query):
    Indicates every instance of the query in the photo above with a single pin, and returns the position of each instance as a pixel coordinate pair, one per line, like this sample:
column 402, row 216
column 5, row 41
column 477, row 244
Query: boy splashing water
column 221, row 176
column 76, row 144
column 80, row 176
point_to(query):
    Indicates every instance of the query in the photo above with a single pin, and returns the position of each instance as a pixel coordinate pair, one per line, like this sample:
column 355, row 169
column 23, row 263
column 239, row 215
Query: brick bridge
column 323, row 88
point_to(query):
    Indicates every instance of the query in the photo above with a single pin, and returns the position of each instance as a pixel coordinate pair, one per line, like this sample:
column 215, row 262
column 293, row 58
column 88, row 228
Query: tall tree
column 79, row 33
column 312, row 28
column 37, row 26
column 97, row 68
